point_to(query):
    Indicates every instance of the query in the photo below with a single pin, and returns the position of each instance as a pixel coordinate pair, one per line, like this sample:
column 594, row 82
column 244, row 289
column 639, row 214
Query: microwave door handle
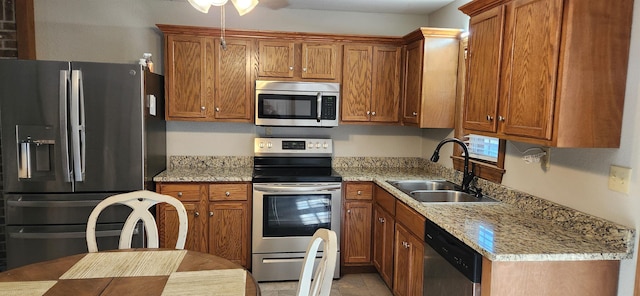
column 319, row 107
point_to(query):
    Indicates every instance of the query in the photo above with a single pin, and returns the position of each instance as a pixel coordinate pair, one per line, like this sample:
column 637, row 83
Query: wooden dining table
column 131, row 272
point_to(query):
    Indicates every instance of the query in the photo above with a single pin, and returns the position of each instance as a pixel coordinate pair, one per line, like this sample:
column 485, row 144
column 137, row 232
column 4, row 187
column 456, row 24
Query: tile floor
column 369, row 284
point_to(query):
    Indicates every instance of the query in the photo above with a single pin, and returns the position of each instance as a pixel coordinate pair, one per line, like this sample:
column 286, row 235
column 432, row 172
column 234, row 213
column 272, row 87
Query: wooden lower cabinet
column 356, row 225
column 219, row 217
column 383, row 232
column 408, row 263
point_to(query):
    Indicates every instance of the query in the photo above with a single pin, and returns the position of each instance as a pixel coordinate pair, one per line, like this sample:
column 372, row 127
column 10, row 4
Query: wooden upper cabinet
column 276, row 59
column 371, row 83
column 186, row 75
column 234, row 85
column 559, row 74
column 430, row 78
column 298, row 60
column 481, row 105
column 206, row 82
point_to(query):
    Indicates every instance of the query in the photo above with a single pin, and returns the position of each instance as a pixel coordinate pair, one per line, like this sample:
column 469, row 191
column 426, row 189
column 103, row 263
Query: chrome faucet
column 467, row 176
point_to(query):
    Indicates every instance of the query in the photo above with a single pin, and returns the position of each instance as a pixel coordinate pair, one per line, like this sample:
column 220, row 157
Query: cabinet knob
column 227, row 193
column 217, row 109
column 381, row 220
column 290, row 67
column 197, row 214
column 210, row 214
column 489, row 118
column 359, row 192
column 304, row 69
column 348, row 211
column 202, row 108
column 500, row 118
column 368, row 112
column 180, row 194
column 415, row 113
column 373, row 113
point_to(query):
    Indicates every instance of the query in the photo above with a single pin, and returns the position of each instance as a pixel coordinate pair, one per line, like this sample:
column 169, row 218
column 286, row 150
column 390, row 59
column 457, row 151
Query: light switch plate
column 619, row 178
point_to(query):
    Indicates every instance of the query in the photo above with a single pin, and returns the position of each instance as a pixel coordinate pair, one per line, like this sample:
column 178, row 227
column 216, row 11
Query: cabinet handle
column 227, row 193
column 202, row 108
column 290, row 67
column 180, row 194
column 381, row 220
column 500, row 118
column 368, row 112
column 408, row 245
column 348, row 211
column 415, row 113
column 197, row 214
column 210, row 214
column 217, row 109
column 489, row 118
column 304, row 69
column 359, row 192
column 373, row 113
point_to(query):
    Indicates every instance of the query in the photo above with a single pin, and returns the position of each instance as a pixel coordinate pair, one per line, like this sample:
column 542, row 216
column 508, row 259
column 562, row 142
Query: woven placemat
column 125, row 264
column 31, row 288
column 222, row 282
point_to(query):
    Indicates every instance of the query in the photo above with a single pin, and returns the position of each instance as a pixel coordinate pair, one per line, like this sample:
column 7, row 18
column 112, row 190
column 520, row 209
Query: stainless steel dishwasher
column 451, row 268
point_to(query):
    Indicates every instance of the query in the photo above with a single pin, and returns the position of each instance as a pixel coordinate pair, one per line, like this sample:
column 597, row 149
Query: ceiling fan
column 242, row 6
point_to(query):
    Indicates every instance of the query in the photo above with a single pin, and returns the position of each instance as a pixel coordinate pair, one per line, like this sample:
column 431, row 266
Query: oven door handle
column 297, row 189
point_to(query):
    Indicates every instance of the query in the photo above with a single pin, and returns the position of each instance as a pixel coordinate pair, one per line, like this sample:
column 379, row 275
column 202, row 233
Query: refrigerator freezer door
column 33, row 108
column 109, row 152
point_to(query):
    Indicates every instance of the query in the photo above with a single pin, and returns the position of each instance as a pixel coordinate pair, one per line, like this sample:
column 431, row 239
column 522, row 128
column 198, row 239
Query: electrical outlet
column 619, row 178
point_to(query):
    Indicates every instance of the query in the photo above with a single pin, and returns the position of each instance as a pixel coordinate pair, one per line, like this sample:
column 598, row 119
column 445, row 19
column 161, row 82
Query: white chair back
column 323, row 275
column 140, row 202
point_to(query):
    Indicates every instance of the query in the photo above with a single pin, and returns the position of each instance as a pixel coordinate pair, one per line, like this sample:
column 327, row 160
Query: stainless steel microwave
column 293, row 103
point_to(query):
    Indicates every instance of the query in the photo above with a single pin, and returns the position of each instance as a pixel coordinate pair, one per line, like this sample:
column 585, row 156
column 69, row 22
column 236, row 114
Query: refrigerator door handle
column 64, row 124
column 77, row 125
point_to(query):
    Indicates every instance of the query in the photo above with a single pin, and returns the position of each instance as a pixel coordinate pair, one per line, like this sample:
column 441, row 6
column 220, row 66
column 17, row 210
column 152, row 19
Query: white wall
column 577, row 178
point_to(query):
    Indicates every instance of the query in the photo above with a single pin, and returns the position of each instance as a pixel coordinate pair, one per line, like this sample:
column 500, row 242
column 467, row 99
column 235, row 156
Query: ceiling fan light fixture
column 244, row 6
column 204, row 5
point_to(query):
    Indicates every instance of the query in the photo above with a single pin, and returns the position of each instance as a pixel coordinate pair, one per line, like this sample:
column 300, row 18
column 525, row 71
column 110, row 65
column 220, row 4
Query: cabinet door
column 186, row 74
column 532, row 46
column 234, row 98
column 483, row 74
column 276, row 59
column 408, row 263
column 357, row 233
column 414, row 58
column 385, row 89
column 319, row 60
column 383, row 232
column 229, row 231
column 356, row 83
column 191, row 196
column 168, row 231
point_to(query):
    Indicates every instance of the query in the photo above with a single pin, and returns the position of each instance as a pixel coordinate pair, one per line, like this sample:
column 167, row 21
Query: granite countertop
column 519, row 228
column 501, row 231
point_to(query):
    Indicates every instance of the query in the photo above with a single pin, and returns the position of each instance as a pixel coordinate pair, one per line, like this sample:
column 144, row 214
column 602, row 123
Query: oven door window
column 295, row 215
column 287, row 106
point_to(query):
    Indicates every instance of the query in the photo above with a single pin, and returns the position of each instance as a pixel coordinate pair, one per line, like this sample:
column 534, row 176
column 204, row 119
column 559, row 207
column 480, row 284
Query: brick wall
column 8, row 50
column 8, row 44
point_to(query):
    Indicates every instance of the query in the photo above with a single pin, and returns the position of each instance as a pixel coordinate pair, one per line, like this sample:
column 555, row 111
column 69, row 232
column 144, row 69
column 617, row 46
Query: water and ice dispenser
column 36, row 146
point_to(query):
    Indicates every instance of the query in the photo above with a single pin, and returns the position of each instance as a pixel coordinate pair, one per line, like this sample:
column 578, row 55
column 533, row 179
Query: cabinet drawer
column 234, row 191
column 184, row 192
column 411, row 219
column 385, row 200
column 358, row 190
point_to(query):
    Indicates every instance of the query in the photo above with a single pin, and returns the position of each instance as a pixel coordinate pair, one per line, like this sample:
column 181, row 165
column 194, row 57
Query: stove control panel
column 293, row 146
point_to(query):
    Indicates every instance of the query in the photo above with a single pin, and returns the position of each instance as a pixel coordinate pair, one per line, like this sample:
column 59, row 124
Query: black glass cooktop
column 294, row 169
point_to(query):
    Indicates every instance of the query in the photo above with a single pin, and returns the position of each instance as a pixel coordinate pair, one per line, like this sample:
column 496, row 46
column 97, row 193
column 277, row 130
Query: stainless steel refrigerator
column 74, row 133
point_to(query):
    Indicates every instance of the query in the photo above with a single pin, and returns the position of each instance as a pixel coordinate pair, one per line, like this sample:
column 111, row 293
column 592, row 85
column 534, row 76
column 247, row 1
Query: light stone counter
column 504, row 232
column 519, row 228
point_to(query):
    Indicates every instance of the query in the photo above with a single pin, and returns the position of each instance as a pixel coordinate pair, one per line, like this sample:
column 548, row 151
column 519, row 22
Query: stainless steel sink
column 429, row 196
column 407, row 186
